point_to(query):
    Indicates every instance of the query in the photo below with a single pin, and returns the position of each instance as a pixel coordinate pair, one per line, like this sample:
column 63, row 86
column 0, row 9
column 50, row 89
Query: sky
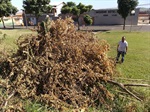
column 97, row 4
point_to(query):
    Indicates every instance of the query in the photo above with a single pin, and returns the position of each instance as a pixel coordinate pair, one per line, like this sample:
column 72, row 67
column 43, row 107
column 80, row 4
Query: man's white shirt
column 122, row 46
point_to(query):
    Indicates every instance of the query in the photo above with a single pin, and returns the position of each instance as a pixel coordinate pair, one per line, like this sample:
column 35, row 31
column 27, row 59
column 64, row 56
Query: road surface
column 144, row 27
column 118, row 28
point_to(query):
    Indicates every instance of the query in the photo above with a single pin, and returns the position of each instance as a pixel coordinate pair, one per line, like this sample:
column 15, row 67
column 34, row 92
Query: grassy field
column 9, row 37
column 136, row 65
column 137, row 60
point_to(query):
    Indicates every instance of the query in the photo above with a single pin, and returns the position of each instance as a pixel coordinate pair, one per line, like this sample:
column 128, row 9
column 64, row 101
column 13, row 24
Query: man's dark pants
column 122, row 53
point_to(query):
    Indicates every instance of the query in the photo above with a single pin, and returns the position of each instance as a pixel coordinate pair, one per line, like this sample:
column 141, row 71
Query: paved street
column 144, row 27
column 118, row 27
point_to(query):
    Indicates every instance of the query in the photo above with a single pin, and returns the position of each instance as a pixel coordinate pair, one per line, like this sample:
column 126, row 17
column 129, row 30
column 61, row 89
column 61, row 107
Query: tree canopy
column 125, row 7
column 36, row 7
column 77, row 10
column 6, row 9
column 88, row 20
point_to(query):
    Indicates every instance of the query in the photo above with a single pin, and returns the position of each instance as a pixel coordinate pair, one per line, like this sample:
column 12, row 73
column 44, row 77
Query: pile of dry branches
column 60, row 66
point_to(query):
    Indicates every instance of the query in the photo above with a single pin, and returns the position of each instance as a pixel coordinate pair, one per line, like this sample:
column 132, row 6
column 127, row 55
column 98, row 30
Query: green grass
column 8, row 43
column 135, row 66
column 137, row 60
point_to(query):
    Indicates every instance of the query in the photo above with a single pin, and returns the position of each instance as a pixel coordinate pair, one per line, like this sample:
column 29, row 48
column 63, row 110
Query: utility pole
column 132, row 14
column 24, row 13
column 149, row 15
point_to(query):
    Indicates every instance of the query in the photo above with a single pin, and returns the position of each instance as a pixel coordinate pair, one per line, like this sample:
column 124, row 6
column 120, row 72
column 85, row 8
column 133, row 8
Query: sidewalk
column 139, row 27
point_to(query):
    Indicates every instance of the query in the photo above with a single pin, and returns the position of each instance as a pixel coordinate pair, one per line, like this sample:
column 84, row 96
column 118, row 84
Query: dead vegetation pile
column 60, row 66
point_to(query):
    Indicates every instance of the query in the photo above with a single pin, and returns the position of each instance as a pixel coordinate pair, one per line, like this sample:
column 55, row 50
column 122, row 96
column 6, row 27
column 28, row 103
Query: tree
column 88, row 20
column 77, row 10
column 6, row 8
column 36, row 7
column 125, row 7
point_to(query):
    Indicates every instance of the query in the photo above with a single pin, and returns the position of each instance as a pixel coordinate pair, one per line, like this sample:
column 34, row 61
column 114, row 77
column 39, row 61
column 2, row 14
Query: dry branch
column 9, row 97
column 120, row 78
column 142, row 85
column 125, row 89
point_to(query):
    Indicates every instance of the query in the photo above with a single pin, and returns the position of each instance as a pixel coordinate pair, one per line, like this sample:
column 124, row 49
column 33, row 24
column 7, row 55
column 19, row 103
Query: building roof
column 19, row 13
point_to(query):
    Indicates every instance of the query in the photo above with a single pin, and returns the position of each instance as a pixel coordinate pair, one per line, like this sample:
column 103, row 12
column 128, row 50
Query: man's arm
column 126, row 49
column 117, row 47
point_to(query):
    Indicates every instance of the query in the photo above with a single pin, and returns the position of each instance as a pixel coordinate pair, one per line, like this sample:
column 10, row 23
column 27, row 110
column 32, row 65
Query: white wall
column 111, row 17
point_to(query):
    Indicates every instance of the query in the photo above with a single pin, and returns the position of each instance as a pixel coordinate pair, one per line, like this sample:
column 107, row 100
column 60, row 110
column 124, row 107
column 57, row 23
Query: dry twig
column 125, row 89
column 9, row 97
column 142, row 85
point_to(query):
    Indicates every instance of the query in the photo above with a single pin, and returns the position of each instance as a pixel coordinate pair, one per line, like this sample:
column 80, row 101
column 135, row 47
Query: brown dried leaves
column 62, row 67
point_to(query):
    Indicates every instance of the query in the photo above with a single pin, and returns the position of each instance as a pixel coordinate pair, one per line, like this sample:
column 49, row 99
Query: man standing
column 122, row 49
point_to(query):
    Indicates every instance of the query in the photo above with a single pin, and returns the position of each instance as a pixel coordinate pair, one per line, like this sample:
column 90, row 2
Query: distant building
column 144, row 16
column 30, row 19
column 100, row 17
column 17, row 19
column 107, row 17
column 111, row 17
